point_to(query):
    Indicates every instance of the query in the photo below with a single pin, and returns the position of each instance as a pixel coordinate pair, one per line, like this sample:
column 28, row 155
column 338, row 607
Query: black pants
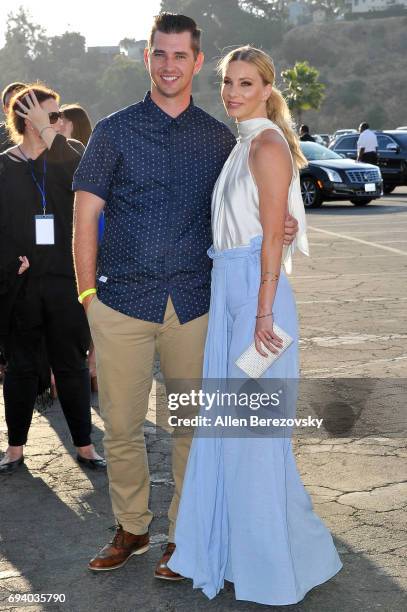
column 370, row 158
column 47, row 309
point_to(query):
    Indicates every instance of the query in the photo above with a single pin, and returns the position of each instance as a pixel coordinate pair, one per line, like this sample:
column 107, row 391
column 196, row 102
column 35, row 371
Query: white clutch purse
column 253, row 364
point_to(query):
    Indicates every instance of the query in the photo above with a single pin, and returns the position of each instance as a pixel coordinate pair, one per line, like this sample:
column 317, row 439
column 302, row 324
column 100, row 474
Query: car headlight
column 334, row 176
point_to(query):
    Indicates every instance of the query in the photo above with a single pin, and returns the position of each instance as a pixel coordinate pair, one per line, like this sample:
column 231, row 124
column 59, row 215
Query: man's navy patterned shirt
column 156, row 174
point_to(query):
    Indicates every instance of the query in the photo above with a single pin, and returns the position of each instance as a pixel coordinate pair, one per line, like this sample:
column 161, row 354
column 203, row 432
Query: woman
column 75, row 123
column 244, row 514
column 36, row 208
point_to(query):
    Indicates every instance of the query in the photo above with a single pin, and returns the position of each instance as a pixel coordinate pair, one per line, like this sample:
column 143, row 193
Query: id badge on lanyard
column 44, row 229
column 44, row 224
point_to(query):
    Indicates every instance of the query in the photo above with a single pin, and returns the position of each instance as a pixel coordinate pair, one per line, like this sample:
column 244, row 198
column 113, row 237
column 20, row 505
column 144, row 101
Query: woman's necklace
column 25, row 156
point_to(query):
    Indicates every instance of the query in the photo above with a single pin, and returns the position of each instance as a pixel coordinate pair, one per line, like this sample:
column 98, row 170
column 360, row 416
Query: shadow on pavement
column 55, row 418
column 53, row 520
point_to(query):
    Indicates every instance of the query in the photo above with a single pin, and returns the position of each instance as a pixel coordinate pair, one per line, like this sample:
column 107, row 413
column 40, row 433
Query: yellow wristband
column 85, row 293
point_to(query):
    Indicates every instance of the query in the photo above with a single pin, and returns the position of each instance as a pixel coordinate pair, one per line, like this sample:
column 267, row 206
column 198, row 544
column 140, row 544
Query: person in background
column 6, row 96
column 5, row 143
column 367, row 145
column 76, row 123
column 36, row 209
column 305, row 135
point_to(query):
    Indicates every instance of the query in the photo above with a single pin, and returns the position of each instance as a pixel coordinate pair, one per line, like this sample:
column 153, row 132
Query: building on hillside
column 298, row 12
column 301, row 13
column 367, row 6
column 134, row 49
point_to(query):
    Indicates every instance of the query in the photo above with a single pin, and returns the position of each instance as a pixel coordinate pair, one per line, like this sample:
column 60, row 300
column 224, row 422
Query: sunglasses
column 53, row 117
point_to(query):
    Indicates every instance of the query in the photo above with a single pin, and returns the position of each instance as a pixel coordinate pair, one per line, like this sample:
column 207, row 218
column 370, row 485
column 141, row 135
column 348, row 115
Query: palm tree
column 304, row 91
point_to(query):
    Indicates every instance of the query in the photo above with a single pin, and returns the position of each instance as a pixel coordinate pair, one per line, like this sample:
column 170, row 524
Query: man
column 6, row 95
column 152, row 166
column 367, row 145
column 305, row 135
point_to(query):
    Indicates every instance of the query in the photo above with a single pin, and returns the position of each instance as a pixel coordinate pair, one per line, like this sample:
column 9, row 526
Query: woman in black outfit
column 38, row 297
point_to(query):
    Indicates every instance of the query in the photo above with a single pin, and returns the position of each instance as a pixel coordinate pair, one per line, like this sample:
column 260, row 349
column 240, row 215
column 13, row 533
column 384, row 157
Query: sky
column 100, row 24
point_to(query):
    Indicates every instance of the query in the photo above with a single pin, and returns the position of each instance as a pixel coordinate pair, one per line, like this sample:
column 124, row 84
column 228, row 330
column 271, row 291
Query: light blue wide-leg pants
column 244, row 514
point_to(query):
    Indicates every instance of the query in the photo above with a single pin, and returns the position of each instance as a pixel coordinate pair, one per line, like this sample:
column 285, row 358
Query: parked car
column 338, row 133
column 329, row 176
column 317, row 138
column 323, row 139
column 403, row 127
column 392, row 155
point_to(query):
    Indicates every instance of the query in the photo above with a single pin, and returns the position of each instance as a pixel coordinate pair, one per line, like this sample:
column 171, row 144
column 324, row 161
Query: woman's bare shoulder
column 270, row 147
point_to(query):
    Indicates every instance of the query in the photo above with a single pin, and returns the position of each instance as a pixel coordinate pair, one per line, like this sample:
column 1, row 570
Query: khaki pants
column 125, row 349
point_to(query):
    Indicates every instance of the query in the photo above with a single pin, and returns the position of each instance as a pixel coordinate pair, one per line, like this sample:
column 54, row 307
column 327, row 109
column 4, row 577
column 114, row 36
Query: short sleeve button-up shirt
column 156, row 174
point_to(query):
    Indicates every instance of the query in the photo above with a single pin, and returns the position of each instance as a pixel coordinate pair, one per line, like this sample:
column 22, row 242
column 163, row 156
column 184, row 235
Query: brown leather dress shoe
column 162, row 570
column 119, row 550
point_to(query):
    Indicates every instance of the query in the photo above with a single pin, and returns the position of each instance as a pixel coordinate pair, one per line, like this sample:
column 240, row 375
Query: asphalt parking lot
column 352, row 291
column 351, row 297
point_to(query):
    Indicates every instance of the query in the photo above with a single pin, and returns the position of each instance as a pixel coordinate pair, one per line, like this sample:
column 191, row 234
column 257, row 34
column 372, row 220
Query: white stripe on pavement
column 329, row 341
column 345, row 237
column 358, row 256
column 389, row 231
column 332, row 276
column 378, row 299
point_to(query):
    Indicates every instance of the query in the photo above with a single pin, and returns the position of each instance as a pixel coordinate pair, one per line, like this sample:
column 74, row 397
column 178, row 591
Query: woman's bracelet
column 268, row 280
column 273, row 276
column 270, row 314
column 46, row 127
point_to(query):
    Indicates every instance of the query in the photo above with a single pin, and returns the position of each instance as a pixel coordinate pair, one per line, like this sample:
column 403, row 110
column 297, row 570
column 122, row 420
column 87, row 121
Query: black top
column 307, row 138
column 20, row 201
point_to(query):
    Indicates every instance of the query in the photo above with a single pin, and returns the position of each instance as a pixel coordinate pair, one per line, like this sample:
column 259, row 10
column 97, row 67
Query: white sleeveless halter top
column 235, row 198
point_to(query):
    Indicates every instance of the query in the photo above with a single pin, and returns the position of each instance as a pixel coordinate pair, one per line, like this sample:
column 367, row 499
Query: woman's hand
column 25, row 264
column 33, row 111
column 264, row 334
column 290, row 229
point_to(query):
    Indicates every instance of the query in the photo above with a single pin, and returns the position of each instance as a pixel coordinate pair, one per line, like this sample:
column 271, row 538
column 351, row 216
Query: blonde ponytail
column 276, row 106
column 279, row 113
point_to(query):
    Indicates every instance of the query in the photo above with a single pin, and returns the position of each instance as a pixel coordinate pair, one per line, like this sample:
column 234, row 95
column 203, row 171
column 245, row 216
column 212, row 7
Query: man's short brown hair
column 173, row 23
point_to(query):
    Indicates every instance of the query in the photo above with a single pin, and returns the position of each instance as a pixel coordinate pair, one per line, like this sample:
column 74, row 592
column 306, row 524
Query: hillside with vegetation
column 363, row 65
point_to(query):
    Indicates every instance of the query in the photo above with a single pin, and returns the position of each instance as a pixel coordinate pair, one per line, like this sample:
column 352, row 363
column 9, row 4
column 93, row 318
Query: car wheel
column 389, row 188
column 311, row 194
column 361, row 201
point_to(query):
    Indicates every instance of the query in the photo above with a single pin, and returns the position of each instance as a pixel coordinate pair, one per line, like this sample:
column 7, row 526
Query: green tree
column 25, row 36
column 304, row 91
column 26, row 45
column 271, row 10
column 126, row 43
column 123, row 82
column 228, row 23
column 68, row 47
column 334, row 8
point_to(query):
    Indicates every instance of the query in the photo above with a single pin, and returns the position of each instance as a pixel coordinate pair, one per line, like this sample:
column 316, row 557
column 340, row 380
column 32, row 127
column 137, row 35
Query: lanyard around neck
column 40, row 188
